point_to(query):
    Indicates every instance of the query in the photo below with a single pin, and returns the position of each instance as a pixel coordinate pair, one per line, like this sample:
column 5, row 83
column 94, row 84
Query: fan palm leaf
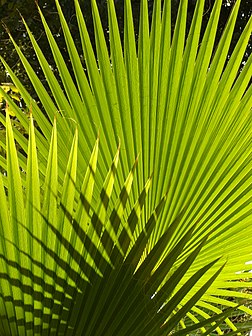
column 95, row 260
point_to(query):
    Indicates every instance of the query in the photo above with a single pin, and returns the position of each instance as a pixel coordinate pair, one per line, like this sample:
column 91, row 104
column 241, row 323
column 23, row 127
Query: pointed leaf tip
column 138, row 155
column 6, row 28
column 135, row 164
column 119, row 144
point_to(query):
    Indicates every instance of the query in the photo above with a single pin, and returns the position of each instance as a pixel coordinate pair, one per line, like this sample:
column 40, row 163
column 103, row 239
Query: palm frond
column 101, row 254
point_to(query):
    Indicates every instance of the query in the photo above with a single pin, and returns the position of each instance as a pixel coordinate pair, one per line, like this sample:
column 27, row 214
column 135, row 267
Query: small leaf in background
column 9, row 110
column 13, row 92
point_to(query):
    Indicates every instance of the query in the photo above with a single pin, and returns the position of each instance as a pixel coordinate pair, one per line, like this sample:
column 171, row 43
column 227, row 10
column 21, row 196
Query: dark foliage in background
column 9, row 15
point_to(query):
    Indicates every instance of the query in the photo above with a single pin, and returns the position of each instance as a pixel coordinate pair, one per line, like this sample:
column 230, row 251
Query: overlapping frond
column 76, row 269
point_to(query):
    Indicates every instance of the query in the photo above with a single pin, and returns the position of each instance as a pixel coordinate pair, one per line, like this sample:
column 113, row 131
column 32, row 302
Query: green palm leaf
column 120, row 250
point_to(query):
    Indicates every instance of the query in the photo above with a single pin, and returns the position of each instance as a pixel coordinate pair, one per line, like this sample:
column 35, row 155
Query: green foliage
column 13, row 93
column 101, row 254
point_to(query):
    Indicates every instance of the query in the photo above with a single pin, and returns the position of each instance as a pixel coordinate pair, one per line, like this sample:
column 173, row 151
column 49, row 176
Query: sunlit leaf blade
column 33, row 187
column 7, row 308
column 33, row 218
column 17, row 216
column 68, row 192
